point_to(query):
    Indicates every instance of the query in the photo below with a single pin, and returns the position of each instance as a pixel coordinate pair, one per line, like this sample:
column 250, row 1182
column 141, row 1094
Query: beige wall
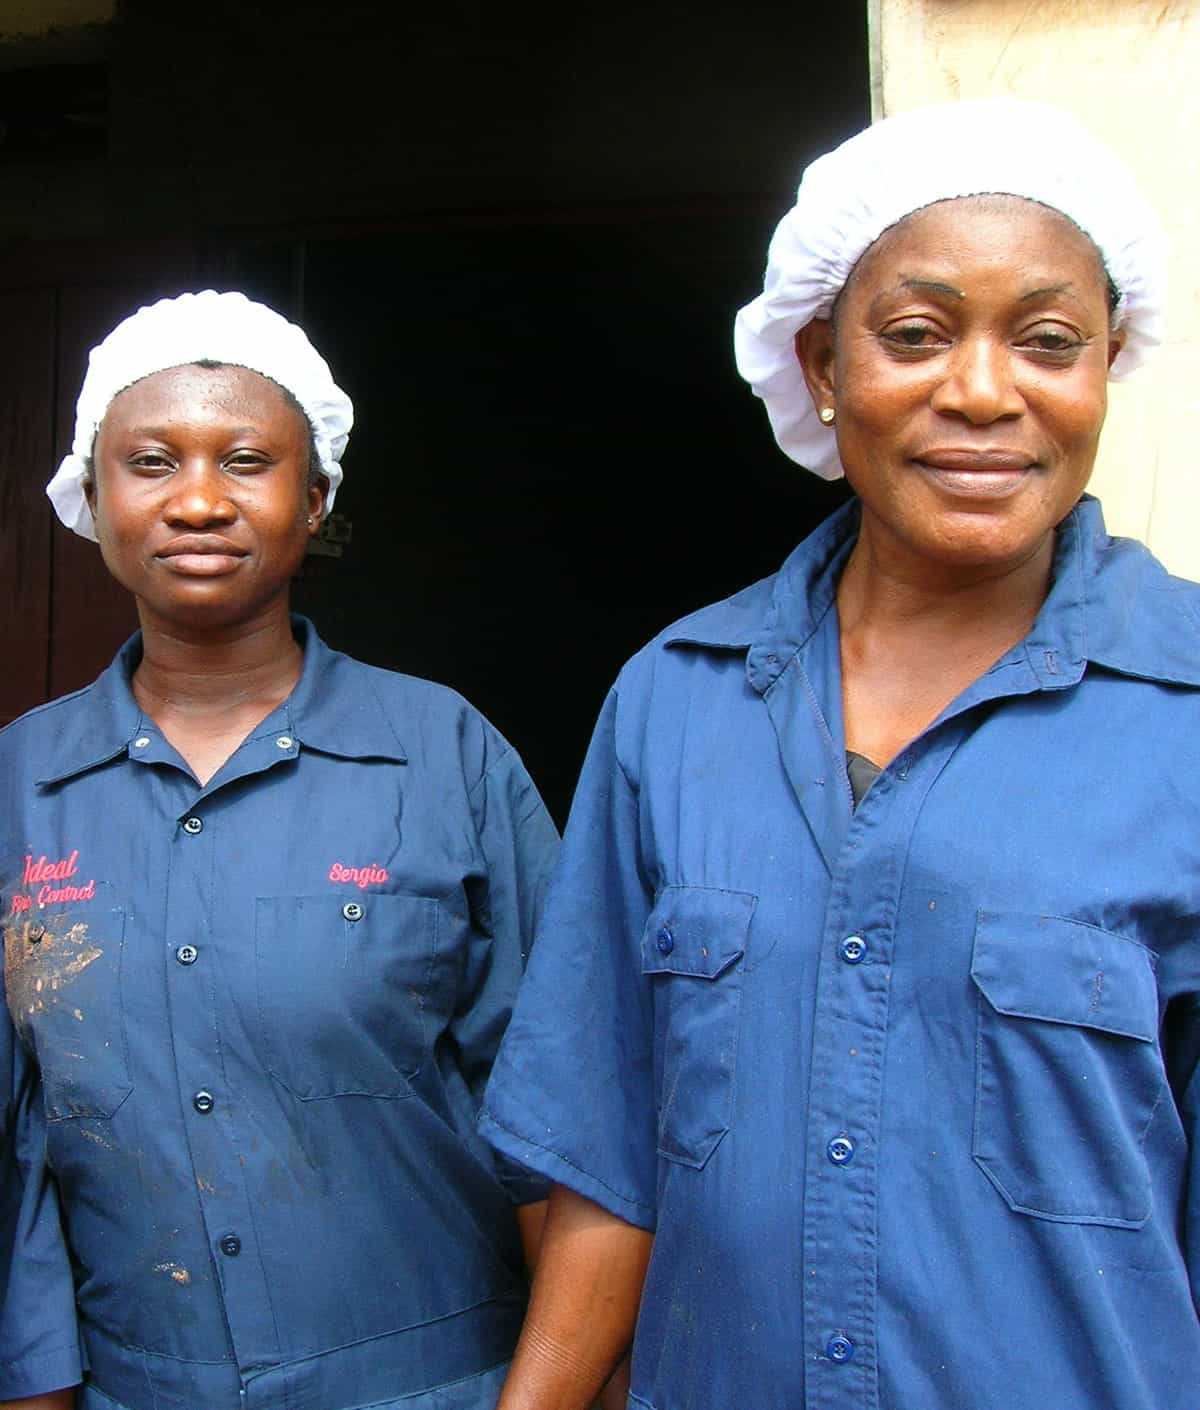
column 1131, row 70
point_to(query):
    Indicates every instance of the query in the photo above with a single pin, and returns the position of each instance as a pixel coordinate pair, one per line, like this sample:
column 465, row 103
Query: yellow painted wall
column 27, row 18
column 1131, row 70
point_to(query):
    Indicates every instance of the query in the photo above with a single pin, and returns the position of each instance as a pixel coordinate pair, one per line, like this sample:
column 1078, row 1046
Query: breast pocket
column 692, row 950
column 342, row 990
column 62, row 975
column 1068, row 1070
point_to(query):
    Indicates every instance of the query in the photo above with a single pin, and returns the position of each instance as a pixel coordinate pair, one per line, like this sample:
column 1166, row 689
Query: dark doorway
column 559, row 458
column 553, row 455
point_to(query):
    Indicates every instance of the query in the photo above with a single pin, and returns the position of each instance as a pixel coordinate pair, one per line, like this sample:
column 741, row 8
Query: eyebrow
column 1047, row 289
column 164, row 433
column 933, row 286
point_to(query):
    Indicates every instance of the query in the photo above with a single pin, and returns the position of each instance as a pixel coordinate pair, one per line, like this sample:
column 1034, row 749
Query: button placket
column 849, row 1038
column 850, row 1031
column 196, row 916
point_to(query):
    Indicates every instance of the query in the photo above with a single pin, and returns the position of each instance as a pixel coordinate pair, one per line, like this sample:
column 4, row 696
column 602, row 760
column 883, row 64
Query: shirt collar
column 793, row 602
column 99, row 722
column 772, row 621
column 1111, row 603
column 334, row 709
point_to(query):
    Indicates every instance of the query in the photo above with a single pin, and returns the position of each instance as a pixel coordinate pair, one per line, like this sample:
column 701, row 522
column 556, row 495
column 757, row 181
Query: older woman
column 265, row 910
column 867, row 1004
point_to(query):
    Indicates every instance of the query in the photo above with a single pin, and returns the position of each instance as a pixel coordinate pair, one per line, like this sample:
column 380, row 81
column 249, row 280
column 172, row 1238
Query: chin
column 982, row 550
column 201, row 606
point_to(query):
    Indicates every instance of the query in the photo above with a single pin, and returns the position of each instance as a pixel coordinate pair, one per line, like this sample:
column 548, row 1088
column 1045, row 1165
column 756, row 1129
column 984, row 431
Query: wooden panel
column 26, row 431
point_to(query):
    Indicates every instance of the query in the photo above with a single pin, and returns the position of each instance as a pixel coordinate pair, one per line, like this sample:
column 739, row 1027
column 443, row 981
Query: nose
column 198, row 499
column 980, row 384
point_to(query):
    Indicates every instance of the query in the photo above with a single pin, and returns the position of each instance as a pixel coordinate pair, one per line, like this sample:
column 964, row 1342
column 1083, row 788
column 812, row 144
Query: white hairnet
column 194, row 328
column 850, row 196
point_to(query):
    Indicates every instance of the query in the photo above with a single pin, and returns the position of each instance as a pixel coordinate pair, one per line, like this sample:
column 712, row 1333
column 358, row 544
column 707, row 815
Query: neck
column 189, row 671
column 884, row 588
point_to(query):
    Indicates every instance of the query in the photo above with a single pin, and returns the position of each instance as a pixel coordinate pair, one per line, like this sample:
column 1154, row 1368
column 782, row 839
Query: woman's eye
column 915, row 335
column 151, row 460
column 1052, row 340
column 246, row 461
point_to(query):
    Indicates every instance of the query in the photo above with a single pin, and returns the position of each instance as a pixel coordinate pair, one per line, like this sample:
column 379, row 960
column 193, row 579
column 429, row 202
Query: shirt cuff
column 39, row 1375
column 561, row 1171
column 522, row 1185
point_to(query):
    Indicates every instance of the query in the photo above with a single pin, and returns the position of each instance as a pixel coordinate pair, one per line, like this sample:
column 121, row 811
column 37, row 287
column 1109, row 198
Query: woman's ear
column 1116, row 341
column 318, row 488
column 816, row 353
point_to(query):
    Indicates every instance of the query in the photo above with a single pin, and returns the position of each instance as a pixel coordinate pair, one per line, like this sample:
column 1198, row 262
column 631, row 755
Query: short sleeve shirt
column 907, row 1093
column 250, row 1027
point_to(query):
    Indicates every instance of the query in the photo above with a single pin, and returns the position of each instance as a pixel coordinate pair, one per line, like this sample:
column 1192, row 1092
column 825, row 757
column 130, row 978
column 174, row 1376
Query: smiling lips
column 201, row 556
column 980, row 473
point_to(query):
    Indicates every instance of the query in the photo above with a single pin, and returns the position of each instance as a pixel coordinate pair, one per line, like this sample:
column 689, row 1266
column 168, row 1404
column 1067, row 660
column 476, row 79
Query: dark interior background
column 518, row 236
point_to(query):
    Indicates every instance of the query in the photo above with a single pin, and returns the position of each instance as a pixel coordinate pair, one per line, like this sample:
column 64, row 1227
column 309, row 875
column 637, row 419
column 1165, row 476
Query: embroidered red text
column 56, row 895
column 45, row 870
column 48, row 876
column 362, row 877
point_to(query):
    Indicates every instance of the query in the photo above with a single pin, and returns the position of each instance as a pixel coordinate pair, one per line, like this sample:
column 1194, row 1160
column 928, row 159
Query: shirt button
column 187, row 954
column 192, row 826
column 141, row 741
column 853, row 948
column 665, row 940
column 352, row 910
column 230, row 1245
column 204, row 1102
column 841, row 1150
column 285, row 741
column 839, row 1348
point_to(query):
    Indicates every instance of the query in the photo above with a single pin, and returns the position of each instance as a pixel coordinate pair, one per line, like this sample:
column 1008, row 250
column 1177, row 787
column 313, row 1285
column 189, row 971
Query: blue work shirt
column 253, row 1022
column 908, row 1094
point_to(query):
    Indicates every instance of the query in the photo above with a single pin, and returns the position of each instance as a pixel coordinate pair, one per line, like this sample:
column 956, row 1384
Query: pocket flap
column 1063, row 971
column 696, row 930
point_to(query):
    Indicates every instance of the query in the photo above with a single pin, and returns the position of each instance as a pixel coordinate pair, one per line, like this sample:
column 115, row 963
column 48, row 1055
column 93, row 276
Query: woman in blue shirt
column 865, row 1019
column 265, row 912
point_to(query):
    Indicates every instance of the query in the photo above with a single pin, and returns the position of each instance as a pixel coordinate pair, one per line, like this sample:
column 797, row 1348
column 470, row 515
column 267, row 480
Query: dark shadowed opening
column 520, row 241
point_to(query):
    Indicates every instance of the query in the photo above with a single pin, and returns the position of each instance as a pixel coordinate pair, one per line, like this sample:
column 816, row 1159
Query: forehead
column 1005, row 237
column 197, row 395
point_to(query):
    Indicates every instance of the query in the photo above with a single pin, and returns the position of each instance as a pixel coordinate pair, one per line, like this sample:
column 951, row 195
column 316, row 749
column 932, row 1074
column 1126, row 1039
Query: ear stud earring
column 827, row 414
